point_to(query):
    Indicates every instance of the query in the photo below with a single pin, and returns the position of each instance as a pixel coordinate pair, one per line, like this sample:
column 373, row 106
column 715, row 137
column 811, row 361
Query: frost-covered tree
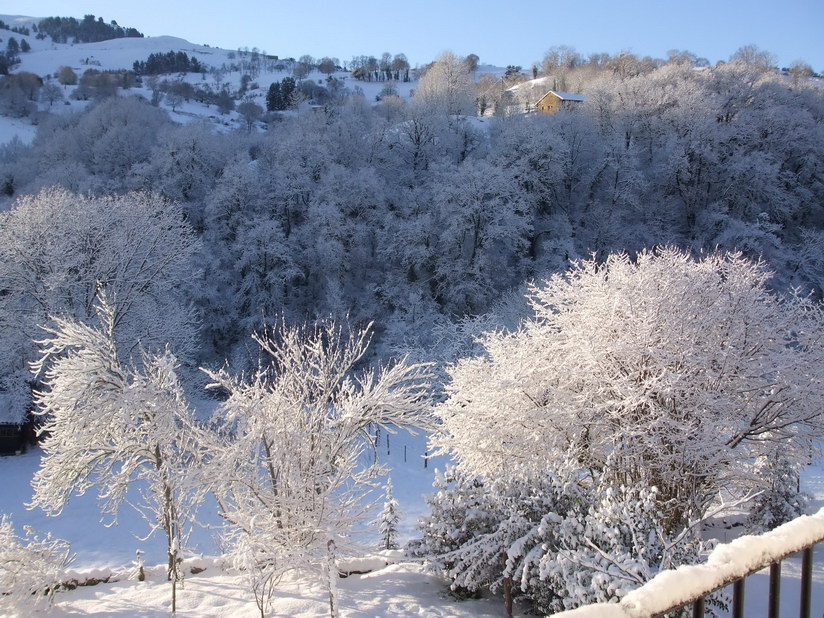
column 108, row 424
column 447, row 86
column 286, row 462
column 58, row 249
column 659, row 371
column 389, row 518
column 32, row 568
column 780, row 500
column 483, row 223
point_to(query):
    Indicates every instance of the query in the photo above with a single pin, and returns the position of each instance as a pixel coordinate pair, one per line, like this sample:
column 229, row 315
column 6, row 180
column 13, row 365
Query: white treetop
column 447, row 86
column 663, row 370
column 57, row 249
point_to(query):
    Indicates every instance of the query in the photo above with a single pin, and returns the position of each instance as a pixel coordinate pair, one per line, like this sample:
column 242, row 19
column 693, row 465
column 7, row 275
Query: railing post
column 775, row 590
column 806, row 581
column 698, row 608
column 738, row 598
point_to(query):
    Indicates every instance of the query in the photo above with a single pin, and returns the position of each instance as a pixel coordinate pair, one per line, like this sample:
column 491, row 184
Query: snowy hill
column 46, row 56
column 223, row 69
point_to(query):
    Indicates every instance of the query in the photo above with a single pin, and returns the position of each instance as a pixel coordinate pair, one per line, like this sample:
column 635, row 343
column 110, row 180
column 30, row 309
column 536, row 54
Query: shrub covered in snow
column 560, row 543
column 31, row 568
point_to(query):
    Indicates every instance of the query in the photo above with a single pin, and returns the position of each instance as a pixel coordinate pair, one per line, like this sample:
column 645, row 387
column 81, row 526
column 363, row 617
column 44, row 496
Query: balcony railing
column 728, row 564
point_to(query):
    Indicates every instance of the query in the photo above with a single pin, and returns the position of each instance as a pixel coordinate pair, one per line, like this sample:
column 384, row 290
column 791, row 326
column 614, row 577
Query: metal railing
column 728, row 564
column 773, row 600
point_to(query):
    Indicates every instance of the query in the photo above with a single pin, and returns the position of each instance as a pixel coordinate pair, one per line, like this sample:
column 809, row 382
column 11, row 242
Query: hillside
column 224, row 70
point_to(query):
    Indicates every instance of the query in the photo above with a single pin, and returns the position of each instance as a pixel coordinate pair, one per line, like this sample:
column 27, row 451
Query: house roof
column 567, row 96
column 529, row 85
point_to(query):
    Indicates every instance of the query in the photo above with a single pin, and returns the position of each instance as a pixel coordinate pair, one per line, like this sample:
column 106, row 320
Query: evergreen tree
column 279, row 96
column 390, row 515
column 12, row 47
column 287, row 88
column 274, row 101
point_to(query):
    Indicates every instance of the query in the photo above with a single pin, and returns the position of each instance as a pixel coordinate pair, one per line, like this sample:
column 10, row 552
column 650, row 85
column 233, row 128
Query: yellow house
column 553, row 101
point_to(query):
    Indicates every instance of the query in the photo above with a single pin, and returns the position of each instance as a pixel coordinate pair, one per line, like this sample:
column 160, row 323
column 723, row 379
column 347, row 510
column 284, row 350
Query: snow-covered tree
column 389, row 518
column 660, row 371
column 58, row 249
column 482, row 223
column 780, row 500
column 32, row 569
column 286, row 464
column 108, row 424
column 447, row 86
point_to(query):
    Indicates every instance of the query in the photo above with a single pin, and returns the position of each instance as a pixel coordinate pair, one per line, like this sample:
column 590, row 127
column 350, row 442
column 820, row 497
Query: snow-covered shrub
column 612, row 542
column 31, row 568
column 473, row 524
column 460, row 511
column 562, row 544
column 654, row 370
column 643, row 389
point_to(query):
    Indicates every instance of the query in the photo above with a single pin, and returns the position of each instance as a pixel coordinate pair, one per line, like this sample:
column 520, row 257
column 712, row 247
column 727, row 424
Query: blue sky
column 499, row 32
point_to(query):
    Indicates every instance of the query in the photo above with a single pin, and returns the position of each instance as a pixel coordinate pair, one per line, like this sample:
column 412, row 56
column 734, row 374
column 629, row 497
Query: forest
column 409, row 216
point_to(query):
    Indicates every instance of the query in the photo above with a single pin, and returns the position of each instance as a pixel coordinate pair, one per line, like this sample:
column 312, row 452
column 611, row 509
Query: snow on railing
column 727, row 564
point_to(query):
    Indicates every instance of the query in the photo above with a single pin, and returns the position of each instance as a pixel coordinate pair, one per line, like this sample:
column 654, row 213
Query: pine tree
column 274, row 100
column 390, row 515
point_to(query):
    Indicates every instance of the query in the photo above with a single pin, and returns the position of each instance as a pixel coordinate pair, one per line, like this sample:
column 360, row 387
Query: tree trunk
column 508, row 596
column 332, row 582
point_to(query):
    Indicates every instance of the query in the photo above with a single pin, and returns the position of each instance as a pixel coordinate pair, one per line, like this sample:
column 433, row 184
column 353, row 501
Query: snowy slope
column 46, row 57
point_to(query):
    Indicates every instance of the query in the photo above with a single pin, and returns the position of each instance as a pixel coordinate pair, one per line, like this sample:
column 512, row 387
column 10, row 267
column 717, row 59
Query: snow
column 21, row 128
column 397, row 590
column 542, row 84
column 568, row 96
column 46, row 56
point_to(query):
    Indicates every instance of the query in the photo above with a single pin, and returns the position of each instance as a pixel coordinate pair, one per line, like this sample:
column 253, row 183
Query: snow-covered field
column 399, row 589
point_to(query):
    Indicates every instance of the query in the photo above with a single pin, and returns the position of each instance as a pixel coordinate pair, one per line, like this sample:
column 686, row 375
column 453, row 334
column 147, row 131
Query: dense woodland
column 407, row 215
column 127, row 232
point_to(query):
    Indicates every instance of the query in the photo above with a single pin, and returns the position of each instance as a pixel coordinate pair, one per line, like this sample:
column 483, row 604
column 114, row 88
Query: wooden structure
column 12, row 425
column 554, row 101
